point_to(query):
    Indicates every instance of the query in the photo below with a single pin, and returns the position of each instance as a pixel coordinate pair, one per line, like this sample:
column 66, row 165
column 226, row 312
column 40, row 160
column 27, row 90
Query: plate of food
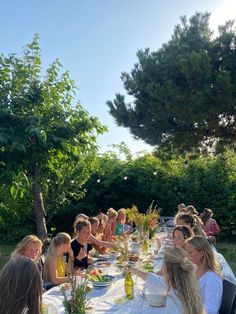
column 97, row 278
column 102, row 264
column 106, row 280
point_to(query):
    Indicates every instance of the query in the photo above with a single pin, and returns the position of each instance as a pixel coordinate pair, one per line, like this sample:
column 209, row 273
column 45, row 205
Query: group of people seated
column 191, row 274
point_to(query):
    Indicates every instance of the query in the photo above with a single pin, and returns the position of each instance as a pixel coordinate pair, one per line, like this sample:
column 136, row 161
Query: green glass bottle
column 129, row 286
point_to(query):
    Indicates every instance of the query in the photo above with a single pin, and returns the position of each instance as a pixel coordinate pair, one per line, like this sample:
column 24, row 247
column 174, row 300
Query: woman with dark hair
column 20, row 287
column 192, row 221
column 81, row 245
column 180, row 234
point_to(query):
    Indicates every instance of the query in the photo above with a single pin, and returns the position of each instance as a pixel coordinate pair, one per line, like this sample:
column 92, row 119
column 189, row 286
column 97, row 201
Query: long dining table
column 110, row 299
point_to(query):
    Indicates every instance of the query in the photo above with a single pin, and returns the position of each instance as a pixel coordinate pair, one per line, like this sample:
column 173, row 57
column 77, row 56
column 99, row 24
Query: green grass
column 229, row 252
column 5, row 251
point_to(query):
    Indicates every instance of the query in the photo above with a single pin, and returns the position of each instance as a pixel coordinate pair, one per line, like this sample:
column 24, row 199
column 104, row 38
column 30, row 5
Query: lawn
column 5, row 251
column 228, row 250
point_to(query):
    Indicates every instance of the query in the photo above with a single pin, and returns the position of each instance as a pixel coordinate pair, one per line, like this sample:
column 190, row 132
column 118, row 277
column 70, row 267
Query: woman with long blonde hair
column 201, row 253
column 30, row 246
column 54, row 271
column 178, row 283
column 110, row 229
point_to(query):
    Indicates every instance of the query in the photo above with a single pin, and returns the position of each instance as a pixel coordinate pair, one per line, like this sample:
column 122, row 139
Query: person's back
column 20, row 287
column 178, row 283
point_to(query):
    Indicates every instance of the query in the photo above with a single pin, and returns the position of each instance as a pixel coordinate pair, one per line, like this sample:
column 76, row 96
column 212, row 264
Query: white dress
column 211, row 288
column 159, row 286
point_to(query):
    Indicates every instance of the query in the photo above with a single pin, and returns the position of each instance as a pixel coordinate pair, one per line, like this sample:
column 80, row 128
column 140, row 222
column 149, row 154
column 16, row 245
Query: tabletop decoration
column 76, row 301
column 144, row 222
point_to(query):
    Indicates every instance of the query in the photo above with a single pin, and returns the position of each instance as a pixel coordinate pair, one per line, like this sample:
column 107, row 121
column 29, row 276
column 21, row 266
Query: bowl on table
column 155, row 299
column 106, row 280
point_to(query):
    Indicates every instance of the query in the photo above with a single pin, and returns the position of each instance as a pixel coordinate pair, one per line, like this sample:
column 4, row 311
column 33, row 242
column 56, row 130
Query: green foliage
column 183, row 95
column 77, row 302
column 16, row 217
column 47, row 142
column 208, row 181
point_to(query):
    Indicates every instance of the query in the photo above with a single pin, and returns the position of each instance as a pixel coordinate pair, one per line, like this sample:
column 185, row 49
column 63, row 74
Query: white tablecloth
column 108, row 299
column 113, row 300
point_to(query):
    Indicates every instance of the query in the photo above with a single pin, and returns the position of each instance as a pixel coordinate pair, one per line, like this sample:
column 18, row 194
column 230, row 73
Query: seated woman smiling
column 30, row 246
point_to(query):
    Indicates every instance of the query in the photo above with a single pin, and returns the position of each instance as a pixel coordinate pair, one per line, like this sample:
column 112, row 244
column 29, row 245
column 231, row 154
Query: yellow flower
column 147, row 220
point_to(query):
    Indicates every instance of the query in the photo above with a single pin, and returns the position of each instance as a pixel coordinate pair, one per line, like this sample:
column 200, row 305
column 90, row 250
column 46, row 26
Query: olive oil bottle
column 129, row 286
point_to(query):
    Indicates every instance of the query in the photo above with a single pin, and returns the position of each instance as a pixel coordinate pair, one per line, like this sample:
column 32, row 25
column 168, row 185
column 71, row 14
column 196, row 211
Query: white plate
column 103, row 283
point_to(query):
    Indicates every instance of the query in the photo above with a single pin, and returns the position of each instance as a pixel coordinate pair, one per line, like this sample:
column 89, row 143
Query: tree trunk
column 39, row 211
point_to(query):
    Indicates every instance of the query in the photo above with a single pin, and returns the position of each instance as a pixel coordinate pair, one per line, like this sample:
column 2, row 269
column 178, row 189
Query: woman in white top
column 178, row 283
column 201, row 253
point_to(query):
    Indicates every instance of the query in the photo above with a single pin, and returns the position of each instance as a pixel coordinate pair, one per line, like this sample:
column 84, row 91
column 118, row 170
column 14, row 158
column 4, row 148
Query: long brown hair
column 20, row 287
column 180, row 273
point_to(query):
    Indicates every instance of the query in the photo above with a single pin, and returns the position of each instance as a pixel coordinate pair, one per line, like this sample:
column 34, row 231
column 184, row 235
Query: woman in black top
column 80, row 244
column 83, row 243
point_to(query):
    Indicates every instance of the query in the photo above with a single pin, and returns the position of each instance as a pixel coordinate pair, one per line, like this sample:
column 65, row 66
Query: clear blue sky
column 98, row 39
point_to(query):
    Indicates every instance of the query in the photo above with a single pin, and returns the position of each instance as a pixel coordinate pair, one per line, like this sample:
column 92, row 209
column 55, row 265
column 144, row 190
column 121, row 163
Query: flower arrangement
column 146, row 222
column 75, row 293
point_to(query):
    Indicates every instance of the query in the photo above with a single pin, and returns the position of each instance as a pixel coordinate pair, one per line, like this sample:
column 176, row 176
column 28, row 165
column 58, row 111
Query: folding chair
column 228, row 303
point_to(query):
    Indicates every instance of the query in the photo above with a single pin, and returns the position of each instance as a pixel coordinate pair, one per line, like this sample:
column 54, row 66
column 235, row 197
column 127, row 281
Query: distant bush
column 204, row 181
